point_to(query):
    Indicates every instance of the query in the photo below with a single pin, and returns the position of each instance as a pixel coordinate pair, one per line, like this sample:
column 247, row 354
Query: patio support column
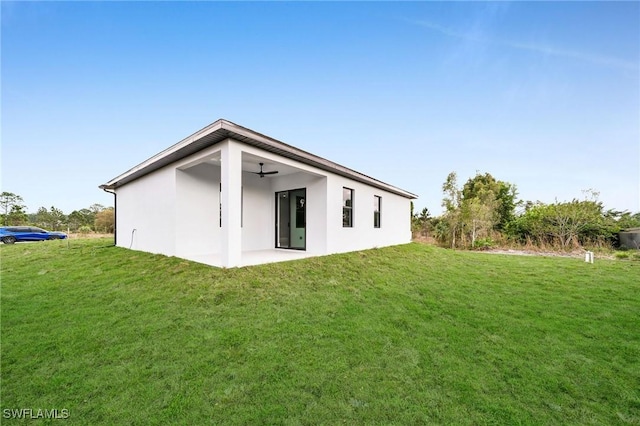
column 231, row 177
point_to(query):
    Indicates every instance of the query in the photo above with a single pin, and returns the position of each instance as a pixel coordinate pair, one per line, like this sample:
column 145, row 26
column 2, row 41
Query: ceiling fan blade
column 262, row 173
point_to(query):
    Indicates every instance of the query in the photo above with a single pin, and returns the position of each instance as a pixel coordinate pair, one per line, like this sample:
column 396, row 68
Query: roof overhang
column 222, row 130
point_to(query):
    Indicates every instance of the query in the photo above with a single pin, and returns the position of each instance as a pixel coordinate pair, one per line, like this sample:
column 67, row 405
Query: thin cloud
column 448, row 31
column 531, row 47
column 596, row 59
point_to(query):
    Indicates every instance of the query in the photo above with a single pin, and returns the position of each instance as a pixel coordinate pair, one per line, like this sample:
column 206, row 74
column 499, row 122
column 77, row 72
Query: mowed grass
column 403, row 335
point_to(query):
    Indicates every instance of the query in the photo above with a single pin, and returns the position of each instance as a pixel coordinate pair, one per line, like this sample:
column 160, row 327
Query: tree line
column 479, row 214
column 95, row 218
column 485, row 212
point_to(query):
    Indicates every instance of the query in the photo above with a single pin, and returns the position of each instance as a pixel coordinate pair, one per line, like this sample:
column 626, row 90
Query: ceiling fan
column 263, row 174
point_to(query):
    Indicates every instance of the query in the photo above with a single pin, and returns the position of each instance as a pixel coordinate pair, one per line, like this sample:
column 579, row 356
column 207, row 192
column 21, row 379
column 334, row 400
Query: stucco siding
column 147, row 205
column 395, row 218
column 197, row 210
column 257, row 213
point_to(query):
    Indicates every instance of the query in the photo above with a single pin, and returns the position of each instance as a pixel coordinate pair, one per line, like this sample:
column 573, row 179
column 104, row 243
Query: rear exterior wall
column 395, row 226
column 146, row 212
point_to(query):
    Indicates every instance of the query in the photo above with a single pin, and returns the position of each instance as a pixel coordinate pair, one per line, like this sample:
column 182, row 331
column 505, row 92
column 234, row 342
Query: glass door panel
column 291, row 219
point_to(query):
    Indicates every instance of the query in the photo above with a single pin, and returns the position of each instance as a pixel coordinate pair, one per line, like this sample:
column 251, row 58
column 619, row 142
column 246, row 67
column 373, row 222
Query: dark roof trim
column 222, row 130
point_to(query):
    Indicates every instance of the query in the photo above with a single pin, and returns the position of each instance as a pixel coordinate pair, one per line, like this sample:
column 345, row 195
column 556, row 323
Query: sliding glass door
column 291, row 219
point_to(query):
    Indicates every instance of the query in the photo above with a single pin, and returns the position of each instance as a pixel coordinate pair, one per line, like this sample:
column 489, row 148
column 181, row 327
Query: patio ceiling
column 251, row 163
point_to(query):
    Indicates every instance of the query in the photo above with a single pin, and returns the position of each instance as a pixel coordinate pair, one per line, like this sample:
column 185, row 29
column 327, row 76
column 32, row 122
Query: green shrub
column 84, row 230
column 628, row 255
column 483, row 243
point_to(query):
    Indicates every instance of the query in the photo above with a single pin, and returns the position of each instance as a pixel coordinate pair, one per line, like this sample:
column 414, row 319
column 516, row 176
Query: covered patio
column 229, row 214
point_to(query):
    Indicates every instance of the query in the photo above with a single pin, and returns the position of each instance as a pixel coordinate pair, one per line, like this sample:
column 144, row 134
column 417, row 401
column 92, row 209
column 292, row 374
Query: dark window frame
column 348, row 207
column 275, row 215
column 377, row 211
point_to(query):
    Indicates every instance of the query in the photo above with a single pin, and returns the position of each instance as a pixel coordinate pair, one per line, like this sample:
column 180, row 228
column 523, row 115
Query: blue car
column 13, row 234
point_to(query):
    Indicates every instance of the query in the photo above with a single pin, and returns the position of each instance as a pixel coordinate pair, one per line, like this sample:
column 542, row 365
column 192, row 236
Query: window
column 20, row 229
column 377, row 210
column 347, row 208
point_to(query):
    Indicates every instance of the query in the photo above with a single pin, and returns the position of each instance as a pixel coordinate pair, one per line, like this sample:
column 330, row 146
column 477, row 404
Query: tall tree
column 504, row 193
column 421, row 222
column 105, row 220
column 43, row 218
column 58, row 218
column 82, row 217
column 451, row 202
column 11, row 207
column 17, row 216
column 478, row 216
column 52, row 219
column 96, row 208
column 479, row 209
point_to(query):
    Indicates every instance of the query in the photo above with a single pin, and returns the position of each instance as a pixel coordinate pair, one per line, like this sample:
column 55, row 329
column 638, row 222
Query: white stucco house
column 204, row 199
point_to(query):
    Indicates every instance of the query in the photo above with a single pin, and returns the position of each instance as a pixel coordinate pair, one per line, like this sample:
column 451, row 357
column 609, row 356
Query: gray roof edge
column 262, row 141
column 148, row 162
column 317, row 161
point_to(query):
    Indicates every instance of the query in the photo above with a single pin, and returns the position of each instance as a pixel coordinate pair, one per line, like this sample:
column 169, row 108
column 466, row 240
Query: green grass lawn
column 403, row 335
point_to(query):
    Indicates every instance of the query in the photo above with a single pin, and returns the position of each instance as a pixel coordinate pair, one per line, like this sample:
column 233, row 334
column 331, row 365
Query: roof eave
column 182, row 149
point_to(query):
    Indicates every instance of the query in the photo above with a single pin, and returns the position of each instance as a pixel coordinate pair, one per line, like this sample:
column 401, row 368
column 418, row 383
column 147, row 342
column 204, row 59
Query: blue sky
column 545, row 95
